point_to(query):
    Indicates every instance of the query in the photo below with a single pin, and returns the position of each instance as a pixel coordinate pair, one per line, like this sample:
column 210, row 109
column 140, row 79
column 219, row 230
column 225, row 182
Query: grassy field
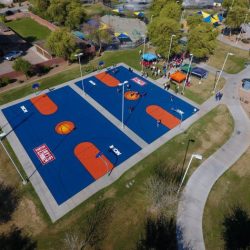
column 29, row 29
column 130, row 205
column 200, row 91
column 232, row 189
column 234, row 63
column 129, row 57
column 197, row 92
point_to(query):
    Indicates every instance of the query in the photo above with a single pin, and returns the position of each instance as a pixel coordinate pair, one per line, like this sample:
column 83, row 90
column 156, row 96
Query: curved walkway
column 195, row 194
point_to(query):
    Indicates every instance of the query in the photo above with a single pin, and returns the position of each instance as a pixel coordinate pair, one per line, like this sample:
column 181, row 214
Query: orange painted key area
column 44, row 104
column 86, row 153
column 107, row 79
column 158, row 113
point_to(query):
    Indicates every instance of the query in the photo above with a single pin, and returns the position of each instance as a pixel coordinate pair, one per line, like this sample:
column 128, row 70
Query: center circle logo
column 65, row 127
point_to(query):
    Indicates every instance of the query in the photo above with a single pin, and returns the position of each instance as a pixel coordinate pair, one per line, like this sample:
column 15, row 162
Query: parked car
column 13, row 55
column 9, row 13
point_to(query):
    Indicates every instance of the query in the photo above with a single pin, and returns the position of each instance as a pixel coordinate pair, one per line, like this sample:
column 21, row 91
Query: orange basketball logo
column 65, row 127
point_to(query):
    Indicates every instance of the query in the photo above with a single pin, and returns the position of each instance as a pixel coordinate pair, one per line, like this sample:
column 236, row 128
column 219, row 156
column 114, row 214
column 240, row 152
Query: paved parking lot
column 10, row 41
column 30, row 55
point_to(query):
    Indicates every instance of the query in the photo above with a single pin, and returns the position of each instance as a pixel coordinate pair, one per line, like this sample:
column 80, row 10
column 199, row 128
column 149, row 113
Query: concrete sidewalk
column 195, row 194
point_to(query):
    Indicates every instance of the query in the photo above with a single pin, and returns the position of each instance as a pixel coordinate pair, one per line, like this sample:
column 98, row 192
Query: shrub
column 4, row 81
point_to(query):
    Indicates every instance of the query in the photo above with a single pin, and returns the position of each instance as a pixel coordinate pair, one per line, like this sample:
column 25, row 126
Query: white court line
column 93, row 83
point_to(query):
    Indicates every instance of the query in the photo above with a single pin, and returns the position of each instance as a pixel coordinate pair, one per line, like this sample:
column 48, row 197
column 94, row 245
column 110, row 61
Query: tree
column 202, row 40
column 40, row 7
column 67, row 12
column 194, row 20
column 62, row 43
column 171, row 10
column 16, row 239
column 57, row 11
column 160, row 32
column 236, row 16
column 236, row 228
column 158, row 5
column 75, row 15
column 9, row 201
column 94, row 231
column 98, row 35
column 22, row 65
column 161, row 189
column 227, row 4
column 2, row 18
column 160, row 234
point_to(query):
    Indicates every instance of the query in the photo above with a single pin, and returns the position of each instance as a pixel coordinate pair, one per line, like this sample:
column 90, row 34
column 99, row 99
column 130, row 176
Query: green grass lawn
column 97, row 9
column 130, row 205
column 130, row 57
column 29, row 29
column 200, row 91
column 232, row 189
column 234, row 63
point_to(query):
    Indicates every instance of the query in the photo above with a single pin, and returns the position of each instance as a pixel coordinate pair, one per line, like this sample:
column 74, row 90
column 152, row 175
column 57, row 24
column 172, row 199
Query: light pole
column 228, row 54
column 143, row 52
column 182, row 14
column 188, row 74
column 196, row 156
column 232, row 4
column 79, row 58
column 122, row 84
column 238, row 37
column 151, row 18
column 170, row 45
column 22, row 178
column 185, row 156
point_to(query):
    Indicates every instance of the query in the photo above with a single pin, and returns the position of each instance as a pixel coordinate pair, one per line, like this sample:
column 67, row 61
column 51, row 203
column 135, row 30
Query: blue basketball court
column 149, row 111
column 70, row 143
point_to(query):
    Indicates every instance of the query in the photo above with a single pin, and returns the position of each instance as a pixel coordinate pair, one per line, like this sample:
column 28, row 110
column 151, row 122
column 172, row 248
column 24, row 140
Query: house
column 6, row 2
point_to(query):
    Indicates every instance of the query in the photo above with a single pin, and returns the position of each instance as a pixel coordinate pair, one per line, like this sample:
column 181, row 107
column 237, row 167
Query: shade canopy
column 119, row 11
column 149, row 57
column 98, row 25
column 79, row 35
column 139, row 13
column 36, row 85
column 200, row 72
column 101, row 63
column 122, row 36
column 178, row 76
column 185, row 68
column 210, row 18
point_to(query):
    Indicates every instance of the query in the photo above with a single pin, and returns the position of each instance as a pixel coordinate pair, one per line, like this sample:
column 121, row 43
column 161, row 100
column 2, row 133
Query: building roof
column 135, row 28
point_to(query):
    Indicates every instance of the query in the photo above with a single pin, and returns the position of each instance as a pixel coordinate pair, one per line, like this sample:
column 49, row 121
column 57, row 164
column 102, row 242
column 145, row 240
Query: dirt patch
column 241, row 168
column 26, row 216
column 214, row 135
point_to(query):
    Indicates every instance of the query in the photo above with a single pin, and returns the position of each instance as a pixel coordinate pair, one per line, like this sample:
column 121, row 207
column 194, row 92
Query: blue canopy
column 101, row 63
column 36, row 85
column 149, row 57
column 79, row 34
column 122, row 36
column 197, row 71
column 93, row 22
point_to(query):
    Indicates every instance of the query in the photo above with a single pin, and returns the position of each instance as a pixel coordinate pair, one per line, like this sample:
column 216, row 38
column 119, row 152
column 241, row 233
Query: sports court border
column 56, row 211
